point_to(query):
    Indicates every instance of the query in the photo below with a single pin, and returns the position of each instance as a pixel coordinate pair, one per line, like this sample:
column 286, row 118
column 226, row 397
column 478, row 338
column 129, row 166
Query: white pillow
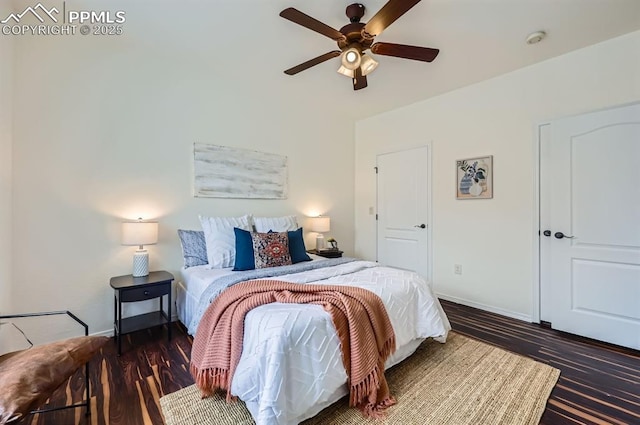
column 277, row 224
column 221, row 240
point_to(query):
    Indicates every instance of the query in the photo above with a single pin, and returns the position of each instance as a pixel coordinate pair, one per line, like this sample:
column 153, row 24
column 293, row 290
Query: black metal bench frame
column 87, row 402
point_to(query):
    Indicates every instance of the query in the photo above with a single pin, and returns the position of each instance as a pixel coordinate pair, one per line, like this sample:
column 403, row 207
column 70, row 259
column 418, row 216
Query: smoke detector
column 536, row 37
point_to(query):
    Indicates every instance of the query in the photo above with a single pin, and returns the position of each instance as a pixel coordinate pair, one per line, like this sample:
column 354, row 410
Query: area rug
column 462, row 382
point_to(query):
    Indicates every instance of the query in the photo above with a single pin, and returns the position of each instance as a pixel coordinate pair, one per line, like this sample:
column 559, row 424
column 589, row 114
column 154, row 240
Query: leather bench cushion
column 29, row 377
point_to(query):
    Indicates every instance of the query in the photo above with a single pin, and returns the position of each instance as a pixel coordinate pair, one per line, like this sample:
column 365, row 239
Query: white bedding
column 188, row 291
column 291, row 364
column 194, row 282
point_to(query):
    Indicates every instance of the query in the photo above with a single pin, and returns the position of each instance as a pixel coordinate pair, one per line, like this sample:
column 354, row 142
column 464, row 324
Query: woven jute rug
column 461, row 382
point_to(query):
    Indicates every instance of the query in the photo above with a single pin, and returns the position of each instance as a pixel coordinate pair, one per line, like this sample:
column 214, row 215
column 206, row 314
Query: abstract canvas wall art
column 227, row 172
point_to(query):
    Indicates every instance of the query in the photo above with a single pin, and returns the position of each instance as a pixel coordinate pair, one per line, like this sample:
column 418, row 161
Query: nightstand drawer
column 145, row 293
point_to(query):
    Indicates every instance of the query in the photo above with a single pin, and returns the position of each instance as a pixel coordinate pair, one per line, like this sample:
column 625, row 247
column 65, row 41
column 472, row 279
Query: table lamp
column 140, row 233
column 320, row 224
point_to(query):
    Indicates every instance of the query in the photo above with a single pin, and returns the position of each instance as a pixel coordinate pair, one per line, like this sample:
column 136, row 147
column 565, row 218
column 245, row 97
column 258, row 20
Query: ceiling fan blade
column 386, row 16
column 359, row 80
column 425, row 54
column 313, row 62
column 294, row 15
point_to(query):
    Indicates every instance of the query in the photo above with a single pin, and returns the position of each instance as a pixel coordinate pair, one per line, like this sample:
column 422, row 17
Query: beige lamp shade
column 320, row 224
column 139, row 233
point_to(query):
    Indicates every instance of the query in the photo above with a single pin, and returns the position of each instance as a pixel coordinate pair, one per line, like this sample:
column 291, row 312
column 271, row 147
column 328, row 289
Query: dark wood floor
column 599, row 384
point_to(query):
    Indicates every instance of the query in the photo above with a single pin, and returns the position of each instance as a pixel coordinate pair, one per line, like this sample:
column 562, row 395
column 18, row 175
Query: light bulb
column 351, row 58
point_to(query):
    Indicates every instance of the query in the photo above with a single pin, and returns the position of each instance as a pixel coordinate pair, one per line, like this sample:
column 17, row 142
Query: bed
column 291, row 365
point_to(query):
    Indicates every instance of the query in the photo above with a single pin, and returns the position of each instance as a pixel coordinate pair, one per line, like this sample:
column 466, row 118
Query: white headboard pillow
column 276, row 224
column 221, row 240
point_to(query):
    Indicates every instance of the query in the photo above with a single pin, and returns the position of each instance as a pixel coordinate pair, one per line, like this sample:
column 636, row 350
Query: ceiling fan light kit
column 368, row 64
column 351, row 58
column 346, row 71
column 355, row 38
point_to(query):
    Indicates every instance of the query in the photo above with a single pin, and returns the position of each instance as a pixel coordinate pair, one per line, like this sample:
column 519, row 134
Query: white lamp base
column 141, row 263
column 320, row 244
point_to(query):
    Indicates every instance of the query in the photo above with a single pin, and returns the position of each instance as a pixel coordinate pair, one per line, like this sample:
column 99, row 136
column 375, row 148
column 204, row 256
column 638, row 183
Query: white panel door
column 592, row 240
column 403, row 210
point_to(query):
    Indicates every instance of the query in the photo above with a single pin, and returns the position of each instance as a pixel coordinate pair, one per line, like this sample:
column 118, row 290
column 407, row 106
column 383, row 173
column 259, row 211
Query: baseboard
column 109, row 332
column 490, row 309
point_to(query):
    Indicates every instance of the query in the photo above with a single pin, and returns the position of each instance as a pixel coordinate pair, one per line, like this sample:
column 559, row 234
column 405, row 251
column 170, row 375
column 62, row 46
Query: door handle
column 421, row 226
column 547, row 233
column 560, row 235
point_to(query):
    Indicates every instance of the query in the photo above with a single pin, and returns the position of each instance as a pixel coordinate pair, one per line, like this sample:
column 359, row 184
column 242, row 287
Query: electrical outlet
column 457, row 268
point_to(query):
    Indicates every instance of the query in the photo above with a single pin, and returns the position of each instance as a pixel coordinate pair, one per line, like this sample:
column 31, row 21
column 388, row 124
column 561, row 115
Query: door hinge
column 376, row 216
column 376, row 168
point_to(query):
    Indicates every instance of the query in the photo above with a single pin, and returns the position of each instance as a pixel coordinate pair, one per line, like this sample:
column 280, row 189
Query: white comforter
column 291, row 360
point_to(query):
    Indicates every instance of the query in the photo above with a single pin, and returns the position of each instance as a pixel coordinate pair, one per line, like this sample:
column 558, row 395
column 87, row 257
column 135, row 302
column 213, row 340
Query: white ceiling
column 478, row 39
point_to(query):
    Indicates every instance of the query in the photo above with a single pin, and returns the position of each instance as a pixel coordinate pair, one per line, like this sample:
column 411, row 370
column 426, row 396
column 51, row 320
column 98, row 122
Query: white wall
column 493, row 239
column 104, row 131
column 6, row 140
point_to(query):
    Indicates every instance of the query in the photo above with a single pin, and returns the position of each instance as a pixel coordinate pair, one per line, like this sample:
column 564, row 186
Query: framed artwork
column 474, row 178
column 228, row 172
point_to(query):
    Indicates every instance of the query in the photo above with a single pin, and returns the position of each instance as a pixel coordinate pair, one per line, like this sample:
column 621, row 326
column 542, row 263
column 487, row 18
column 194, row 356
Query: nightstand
column 133, row 289
column 327, row 253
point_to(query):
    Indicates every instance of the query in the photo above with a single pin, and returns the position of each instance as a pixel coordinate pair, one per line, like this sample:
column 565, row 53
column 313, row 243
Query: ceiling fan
column 355, row 38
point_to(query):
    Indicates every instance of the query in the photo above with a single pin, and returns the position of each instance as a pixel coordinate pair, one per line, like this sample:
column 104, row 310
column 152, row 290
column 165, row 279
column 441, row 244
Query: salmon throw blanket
column 364, row 329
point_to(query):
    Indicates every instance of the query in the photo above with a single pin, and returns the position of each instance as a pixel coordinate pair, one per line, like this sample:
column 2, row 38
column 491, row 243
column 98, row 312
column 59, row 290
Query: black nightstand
column 327, row 253
column 132, row 289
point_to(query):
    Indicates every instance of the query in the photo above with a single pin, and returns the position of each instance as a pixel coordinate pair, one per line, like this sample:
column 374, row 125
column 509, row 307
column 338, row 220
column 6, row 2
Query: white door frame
column 537, row 282
column 537, row 138
column 428, row 145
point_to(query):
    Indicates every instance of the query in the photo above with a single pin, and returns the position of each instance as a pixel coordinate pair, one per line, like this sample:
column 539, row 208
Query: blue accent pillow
column 245, row 259
column 296, row 246
column 194, row 247
column 244, row 250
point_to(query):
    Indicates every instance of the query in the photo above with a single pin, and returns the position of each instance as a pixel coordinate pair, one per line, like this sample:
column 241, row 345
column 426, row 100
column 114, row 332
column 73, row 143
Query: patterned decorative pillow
column 270, row 249
column 194, row 247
